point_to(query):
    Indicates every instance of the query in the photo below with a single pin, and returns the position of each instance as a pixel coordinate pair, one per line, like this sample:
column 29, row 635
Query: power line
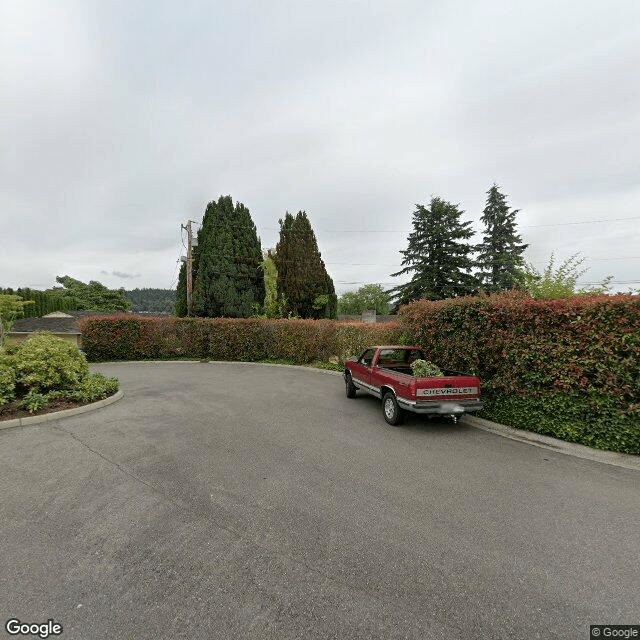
column 528, row 226
column 608, row 259
column 238, row 258
column 612, row 282
column 563, row 224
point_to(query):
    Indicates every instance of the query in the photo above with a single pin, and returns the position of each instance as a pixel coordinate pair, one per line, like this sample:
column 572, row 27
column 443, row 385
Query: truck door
column 362, row 369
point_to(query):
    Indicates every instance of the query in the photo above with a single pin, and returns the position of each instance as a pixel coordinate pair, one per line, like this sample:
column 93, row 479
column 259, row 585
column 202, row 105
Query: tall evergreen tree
column 500, row 255
column 227, row 278
column 437, row 255
column 303, row 284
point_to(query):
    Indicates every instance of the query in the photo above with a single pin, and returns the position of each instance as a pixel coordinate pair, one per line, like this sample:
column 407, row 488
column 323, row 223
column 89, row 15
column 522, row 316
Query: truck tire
column 351, row 388
column 392, row 413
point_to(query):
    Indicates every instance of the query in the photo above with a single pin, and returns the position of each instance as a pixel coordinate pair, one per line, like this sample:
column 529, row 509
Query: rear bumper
column 429, row 407
column 445, row 407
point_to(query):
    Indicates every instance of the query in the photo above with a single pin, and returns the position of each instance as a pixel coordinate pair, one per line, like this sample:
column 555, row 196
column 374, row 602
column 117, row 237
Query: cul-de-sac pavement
column 257, row 502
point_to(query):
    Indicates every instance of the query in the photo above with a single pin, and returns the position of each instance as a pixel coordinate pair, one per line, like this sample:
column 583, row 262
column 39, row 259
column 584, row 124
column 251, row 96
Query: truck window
column 397, row 357
column 367, row 357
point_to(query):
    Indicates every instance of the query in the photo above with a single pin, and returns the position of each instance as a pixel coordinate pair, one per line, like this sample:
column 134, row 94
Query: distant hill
column 151, row 300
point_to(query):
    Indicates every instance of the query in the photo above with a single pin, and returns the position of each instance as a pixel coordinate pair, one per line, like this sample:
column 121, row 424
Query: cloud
column 119, row 122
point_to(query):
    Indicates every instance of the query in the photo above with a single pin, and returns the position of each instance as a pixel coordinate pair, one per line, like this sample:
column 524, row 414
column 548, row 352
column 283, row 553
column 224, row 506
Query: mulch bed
column 11, row 410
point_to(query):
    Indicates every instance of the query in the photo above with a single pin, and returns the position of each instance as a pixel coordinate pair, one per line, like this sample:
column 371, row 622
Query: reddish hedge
column 558, row 364
column 128, row 337
column 568, row 367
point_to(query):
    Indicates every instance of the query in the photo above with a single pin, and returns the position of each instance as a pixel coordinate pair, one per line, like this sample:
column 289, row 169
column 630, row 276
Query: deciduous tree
column 93, row 296
column 370, row 296
column 559, row 281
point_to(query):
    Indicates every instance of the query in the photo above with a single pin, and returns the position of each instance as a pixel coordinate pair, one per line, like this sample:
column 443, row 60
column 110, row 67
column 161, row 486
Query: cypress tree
column 227, row 280
column 500, row 254
column 304, row 287
column 437, row 255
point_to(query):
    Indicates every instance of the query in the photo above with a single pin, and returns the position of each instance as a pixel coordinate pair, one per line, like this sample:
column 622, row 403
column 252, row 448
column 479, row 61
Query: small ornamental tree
column 500, row 253
column 273, row 308
column 437, row 255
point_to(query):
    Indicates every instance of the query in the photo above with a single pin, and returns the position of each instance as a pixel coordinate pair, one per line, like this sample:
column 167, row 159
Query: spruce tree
column 437, row 255
column 227, row 278
column 500, row 254
column 304, row 287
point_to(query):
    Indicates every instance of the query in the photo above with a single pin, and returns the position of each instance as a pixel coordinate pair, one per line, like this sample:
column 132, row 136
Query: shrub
column 44, row 362
column 7, row 380
column 94, row 387
column 34, row 401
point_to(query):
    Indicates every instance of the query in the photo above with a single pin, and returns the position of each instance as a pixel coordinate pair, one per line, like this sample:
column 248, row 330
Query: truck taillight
column 412, row 387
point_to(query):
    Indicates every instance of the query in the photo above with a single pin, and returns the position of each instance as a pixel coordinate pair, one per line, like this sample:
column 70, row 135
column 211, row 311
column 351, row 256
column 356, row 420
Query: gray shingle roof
column 55, row 325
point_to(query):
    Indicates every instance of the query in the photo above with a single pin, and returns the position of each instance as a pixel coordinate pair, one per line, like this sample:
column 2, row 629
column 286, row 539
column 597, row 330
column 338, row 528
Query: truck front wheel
column 392, row 412
column 351, row 388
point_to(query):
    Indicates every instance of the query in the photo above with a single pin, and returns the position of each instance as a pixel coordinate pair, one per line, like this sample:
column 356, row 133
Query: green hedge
column 568, row 367
column 128, row 337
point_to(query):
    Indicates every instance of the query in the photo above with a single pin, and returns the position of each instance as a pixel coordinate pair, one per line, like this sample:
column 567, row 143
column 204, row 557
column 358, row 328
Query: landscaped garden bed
column 46, row 374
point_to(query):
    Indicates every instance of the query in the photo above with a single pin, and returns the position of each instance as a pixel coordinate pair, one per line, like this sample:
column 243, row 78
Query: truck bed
column 406, row 370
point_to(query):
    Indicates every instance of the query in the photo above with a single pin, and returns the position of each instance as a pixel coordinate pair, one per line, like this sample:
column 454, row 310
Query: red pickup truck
column 385, row 372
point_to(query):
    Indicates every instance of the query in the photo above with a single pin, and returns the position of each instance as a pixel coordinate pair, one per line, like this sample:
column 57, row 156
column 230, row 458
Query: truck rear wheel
column 393, row 414
column 351, row 388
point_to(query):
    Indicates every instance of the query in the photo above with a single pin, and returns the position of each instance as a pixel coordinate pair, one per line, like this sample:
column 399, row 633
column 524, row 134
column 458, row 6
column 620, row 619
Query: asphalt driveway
column 247, row 501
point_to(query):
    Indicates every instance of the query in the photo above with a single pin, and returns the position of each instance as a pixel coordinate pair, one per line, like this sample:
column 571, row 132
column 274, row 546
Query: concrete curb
column 273, row 364
column 57, row 415
column 260, row 364
column 625, row 460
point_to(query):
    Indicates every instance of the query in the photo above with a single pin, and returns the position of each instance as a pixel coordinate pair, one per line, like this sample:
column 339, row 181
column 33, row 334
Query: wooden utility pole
column 187, row 227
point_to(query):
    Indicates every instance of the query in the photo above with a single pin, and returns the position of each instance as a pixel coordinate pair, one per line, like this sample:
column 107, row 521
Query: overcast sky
column 120, row 120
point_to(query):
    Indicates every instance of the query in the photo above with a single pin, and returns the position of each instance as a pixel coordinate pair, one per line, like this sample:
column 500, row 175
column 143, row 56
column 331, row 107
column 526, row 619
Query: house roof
column 53, row 324
column 56, row 322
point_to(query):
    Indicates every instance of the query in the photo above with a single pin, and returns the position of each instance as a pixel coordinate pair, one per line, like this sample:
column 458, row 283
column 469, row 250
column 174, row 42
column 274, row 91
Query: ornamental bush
column 44, row 368
column 44, row 362
column 94, row 387
column 7, row 381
